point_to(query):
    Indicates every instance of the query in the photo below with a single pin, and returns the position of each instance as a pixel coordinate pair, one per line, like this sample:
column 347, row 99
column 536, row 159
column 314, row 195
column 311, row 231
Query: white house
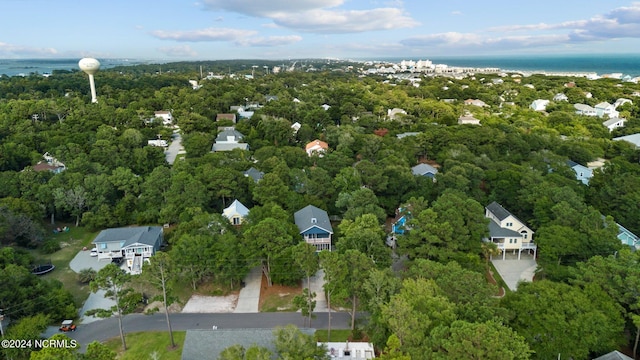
column 508, row 232
column 395, row 112
column 475, row 102
column 167, row 118
column 468, row 119
column 633, row 139
column 317, row 147
column 583, row 109
column 349, row 350
column 560, row 97
column 228, row 139
column 236, row 212
column 604, row 108
column 539, row 105
column 614, row 123
column 583, row 173
column 621, row 102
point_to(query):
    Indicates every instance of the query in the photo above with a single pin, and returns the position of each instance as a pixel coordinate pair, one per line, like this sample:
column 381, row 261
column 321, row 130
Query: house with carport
column 507, row 232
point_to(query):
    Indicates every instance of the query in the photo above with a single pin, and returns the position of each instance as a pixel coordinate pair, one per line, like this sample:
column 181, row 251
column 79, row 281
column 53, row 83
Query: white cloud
column 622, row 22
column 332, row 22
column 11, row 50
column 472, row 41
column 456, row 12
column 237, row 36
column 319, row 16
column 265, row 8
column 209, row 34
column 270, row 41
column 178, row 51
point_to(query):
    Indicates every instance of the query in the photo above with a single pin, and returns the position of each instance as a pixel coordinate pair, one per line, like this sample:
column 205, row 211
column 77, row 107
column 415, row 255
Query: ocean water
column 24, row 67
column 627, row 64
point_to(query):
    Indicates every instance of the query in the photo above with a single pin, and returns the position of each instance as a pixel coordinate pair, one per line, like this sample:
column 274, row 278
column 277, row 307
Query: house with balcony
column 508, row 232
column 134, row 244
column 314, row 226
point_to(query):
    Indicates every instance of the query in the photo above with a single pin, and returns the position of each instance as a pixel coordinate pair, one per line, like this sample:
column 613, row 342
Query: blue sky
column 279, row 29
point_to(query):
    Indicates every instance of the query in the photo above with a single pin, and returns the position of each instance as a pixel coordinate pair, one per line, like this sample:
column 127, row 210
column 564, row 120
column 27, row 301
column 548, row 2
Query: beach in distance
column 627, row 64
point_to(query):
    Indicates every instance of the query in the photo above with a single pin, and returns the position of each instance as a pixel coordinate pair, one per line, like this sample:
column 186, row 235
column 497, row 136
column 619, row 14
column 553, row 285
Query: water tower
column 90, row 66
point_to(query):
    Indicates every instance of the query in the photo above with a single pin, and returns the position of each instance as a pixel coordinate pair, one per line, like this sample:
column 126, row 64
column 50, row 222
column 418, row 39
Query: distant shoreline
column 551, row 65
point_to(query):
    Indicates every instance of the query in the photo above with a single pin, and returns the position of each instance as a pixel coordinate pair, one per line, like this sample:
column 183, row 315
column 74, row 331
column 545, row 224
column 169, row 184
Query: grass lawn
column 277, row 297
column 337, row 335
column 141, row 345
column 71, row 242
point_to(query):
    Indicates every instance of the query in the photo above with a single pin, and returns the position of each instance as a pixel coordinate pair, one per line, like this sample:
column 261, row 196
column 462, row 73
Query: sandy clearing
column 211, row 304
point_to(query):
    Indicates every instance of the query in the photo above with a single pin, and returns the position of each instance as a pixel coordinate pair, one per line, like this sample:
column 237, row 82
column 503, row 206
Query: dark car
column 117, row 261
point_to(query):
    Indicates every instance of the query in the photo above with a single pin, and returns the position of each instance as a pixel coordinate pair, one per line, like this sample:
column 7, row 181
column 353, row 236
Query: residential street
column 108, row 328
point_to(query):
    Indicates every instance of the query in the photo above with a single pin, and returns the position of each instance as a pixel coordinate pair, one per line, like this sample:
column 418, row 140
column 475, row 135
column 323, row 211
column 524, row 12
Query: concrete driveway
column 249, row 296
column 316, row 284
column 174, row 148
column 96, row 300
column 83, row 260
column 514, row 271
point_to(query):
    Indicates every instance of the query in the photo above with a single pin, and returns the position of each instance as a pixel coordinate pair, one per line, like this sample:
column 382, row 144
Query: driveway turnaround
column 249, row 296
column 514, row 271
column 83, row 260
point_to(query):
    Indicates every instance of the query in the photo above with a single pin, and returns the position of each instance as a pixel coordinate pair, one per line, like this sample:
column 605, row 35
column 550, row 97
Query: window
column 314, row 220
column 236, row 221
column 103, row 245
column 509, row 224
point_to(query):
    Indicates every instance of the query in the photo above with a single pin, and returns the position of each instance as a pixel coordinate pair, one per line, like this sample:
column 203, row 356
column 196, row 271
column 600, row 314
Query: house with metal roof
column 508, row 232
column 135, row 244
column 424, row 170
column 236, row 212
column 228, row 139
column 314, row 226
column 633, row 139
column 628, row 238
column 614, row 123
column 254, row 174
column 583, row 173
column 209, row 344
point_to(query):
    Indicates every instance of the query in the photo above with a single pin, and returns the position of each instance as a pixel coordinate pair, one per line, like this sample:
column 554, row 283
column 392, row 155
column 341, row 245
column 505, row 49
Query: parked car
column 117, row 261
column 68, row 325
column 94, row 252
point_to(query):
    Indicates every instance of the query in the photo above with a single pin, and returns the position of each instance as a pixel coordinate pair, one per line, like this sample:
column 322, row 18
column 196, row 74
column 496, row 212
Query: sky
column 173, row 30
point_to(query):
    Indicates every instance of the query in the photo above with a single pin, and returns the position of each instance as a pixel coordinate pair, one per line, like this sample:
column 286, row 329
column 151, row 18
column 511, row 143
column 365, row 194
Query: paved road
column 174, row 148
column 108, row 328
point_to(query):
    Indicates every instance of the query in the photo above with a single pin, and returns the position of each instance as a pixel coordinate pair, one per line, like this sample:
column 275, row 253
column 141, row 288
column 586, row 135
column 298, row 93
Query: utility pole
column 1, row 320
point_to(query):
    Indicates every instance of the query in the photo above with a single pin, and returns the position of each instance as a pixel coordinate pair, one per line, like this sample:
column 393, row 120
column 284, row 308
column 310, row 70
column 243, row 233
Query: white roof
column 634, row 139
column 236, row 208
